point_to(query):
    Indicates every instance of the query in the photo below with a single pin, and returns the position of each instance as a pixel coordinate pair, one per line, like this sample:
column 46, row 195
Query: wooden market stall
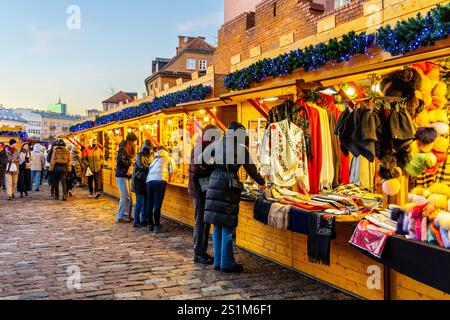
column 350, row 269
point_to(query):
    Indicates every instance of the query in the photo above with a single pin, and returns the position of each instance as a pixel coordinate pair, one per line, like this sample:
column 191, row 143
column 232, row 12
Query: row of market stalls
column 353, row 188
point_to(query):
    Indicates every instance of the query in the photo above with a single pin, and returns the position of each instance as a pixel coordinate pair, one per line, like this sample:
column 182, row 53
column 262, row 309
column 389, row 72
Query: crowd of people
column 24, row 168
column 214, row 183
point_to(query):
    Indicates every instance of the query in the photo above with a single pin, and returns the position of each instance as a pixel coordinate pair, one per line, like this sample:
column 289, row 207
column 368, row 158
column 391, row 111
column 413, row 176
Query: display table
column 428, row 264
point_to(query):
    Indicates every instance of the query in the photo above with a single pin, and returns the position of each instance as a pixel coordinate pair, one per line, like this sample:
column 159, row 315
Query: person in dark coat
column 125, row 158
column 198, row 181
column 3, row 164
column 141, row 167
column 24, row 182
column 223, row 196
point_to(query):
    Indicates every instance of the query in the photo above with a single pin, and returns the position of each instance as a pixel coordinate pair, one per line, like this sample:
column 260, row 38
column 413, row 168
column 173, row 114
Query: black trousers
column 60, row 176
column 202, row 229
column 97, row 180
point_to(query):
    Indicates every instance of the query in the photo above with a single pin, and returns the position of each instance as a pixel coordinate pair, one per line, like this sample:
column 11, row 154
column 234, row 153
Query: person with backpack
column 60, row 166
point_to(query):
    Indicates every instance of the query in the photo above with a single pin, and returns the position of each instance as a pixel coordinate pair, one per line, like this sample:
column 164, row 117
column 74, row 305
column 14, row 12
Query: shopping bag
column 89, row 172
column 12, row 167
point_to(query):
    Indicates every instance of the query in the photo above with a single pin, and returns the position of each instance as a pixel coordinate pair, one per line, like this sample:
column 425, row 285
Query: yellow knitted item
column 439, row 200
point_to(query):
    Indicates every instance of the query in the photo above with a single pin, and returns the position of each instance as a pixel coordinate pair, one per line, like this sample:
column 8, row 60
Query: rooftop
column 121, row 97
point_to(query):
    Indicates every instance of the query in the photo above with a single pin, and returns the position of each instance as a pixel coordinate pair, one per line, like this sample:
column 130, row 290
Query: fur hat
column 426, row 135
column 417, row 165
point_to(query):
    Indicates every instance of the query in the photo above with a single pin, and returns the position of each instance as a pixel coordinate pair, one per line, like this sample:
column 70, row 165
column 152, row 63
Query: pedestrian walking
column 93, row 160
column 199, row 173
column 125, row 157
column 49, row 175
column 3, row 165
column 224, row 192
column 60, row 165
column 77, row 164
column 159, row 175
column 12, row 169
column 37, row 166
column 24, row 179
column 139, row 184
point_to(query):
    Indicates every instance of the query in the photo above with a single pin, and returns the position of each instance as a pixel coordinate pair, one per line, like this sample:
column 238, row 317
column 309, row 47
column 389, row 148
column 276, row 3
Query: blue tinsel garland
column 20, row 134
column 407, row 36
column 193, row 93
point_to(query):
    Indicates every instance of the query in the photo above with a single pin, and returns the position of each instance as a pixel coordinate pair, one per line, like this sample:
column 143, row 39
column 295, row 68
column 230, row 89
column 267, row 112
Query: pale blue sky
column 40, row 58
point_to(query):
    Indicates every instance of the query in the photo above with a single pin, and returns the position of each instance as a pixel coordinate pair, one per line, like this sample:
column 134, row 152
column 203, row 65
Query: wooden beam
column 151, row 138
column 263, row 105
column 217, row 120
column 258, row 108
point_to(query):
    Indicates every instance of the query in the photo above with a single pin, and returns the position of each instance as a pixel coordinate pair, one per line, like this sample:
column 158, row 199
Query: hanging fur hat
column 426, row 135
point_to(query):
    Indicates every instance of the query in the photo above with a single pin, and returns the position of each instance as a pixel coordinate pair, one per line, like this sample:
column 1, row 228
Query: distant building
column 34, row 122
column 119, row 98
column 11, row 121
column 55, row 124
column 59, row 107
column 194, row 54
column 93, row 112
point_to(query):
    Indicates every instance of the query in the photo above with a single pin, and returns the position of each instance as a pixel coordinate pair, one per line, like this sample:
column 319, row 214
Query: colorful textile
column 284, row 156
column 279, row 216
column 321, row 230
column 370, row 238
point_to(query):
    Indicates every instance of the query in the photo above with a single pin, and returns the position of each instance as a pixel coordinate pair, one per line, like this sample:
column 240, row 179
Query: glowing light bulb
column 129, row 130
column 350, row 91
column 147, row 126
column 155, row 125
column 169, row 122
column 202, row 111
column 206, row 119
column 116, row 132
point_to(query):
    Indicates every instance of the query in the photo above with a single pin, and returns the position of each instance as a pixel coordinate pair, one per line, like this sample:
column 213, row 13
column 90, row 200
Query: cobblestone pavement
column 43, row 242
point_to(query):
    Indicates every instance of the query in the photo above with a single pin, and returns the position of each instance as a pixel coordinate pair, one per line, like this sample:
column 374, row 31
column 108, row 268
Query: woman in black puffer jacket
column 224, row 192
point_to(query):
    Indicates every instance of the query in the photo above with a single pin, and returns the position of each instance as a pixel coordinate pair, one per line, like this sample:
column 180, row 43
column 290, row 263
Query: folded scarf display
column 321, row 230
column 279, row 216
column 370, row 238
column 261, row 210
column 299, row 220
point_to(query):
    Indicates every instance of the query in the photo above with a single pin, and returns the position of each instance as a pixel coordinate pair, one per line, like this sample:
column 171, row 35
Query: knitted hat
column 430, row 160
column 426, row 137
column 12, row 141
column 391, row 187
column 441, row 156
column 441, row 128
column 131, row 137
column 441, row 144
column 439, row 200
column 417, row 165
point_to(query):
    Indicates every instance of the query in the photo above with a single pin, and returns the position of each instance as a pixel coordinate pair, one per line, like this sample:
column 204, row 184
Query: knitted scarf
column 321, row 232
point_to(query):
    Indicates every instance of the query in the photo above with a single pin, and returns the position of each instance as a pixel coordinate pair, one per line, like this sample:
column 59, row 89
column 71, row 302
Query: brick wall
column 272, row 20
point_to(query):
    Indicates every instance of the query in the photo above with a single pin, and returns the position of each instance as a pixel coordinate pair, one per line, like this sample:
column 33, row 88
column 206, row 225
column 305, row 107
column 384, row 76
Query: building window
column 203, row 65
column 340, row 3
column 190, row 64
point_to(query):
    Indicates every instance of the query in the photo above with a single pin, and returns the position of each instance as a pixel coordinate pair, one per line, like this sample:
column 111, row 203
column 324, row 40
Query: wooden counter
column 349, row 267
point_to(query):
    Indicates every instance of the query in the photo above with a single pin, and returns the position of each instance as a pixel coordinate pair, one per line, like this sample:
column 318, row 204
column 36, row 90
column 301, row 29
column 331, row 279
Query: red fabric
column 370, row 238
column 315, row 162
column 304, row 206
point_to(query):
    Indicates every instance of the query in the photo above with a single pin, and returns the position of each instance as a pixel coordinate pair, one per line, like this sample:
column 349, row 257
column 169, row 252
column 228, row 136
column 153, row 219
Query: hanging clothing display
column 283, row 156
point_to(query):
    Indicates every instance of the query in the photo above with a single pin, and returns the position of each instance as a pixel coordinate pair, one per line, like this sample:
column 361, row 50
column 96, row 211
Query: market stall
column 376, row 112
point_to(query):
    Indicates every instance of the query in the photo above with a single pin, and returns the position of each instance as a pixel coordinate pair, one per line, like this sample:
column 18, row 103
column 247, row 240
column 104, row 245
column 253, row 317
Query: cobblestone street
column 42, row 240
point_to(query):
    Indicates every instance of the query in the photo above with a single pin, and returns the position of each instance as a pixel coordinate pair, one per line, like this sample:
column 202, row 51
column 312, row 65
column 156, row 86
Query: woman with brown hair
column 125, row 158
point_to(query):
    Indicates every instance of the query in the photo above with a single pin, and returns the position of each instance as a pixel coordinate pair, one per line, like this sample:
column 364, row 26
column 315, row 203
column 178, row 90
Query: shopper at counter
column 141, row 168
column 125, row 158
column 198, row 184
column 159, row 175
column 224, row 192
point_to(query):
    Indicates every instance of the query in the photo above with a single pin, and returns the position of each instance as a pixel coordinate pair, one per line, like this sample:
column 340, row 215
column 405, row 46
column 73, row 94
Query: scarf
column 261, row 210
column 321, row 232
column 370, row 238
column 279, row 216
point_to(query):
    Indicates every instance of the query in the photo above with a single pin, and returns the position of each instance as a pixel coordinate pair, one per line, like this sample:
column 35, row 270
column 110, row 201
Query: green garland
column 406, row 36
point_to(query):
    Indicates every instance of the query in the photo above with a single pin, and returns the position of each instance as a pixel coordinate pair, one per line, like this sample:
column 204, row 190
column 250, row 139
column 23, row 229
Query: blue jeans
column 36, row 177
column 223, row 247
column 125, row 198
column 156, row 191
column 140, row 214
